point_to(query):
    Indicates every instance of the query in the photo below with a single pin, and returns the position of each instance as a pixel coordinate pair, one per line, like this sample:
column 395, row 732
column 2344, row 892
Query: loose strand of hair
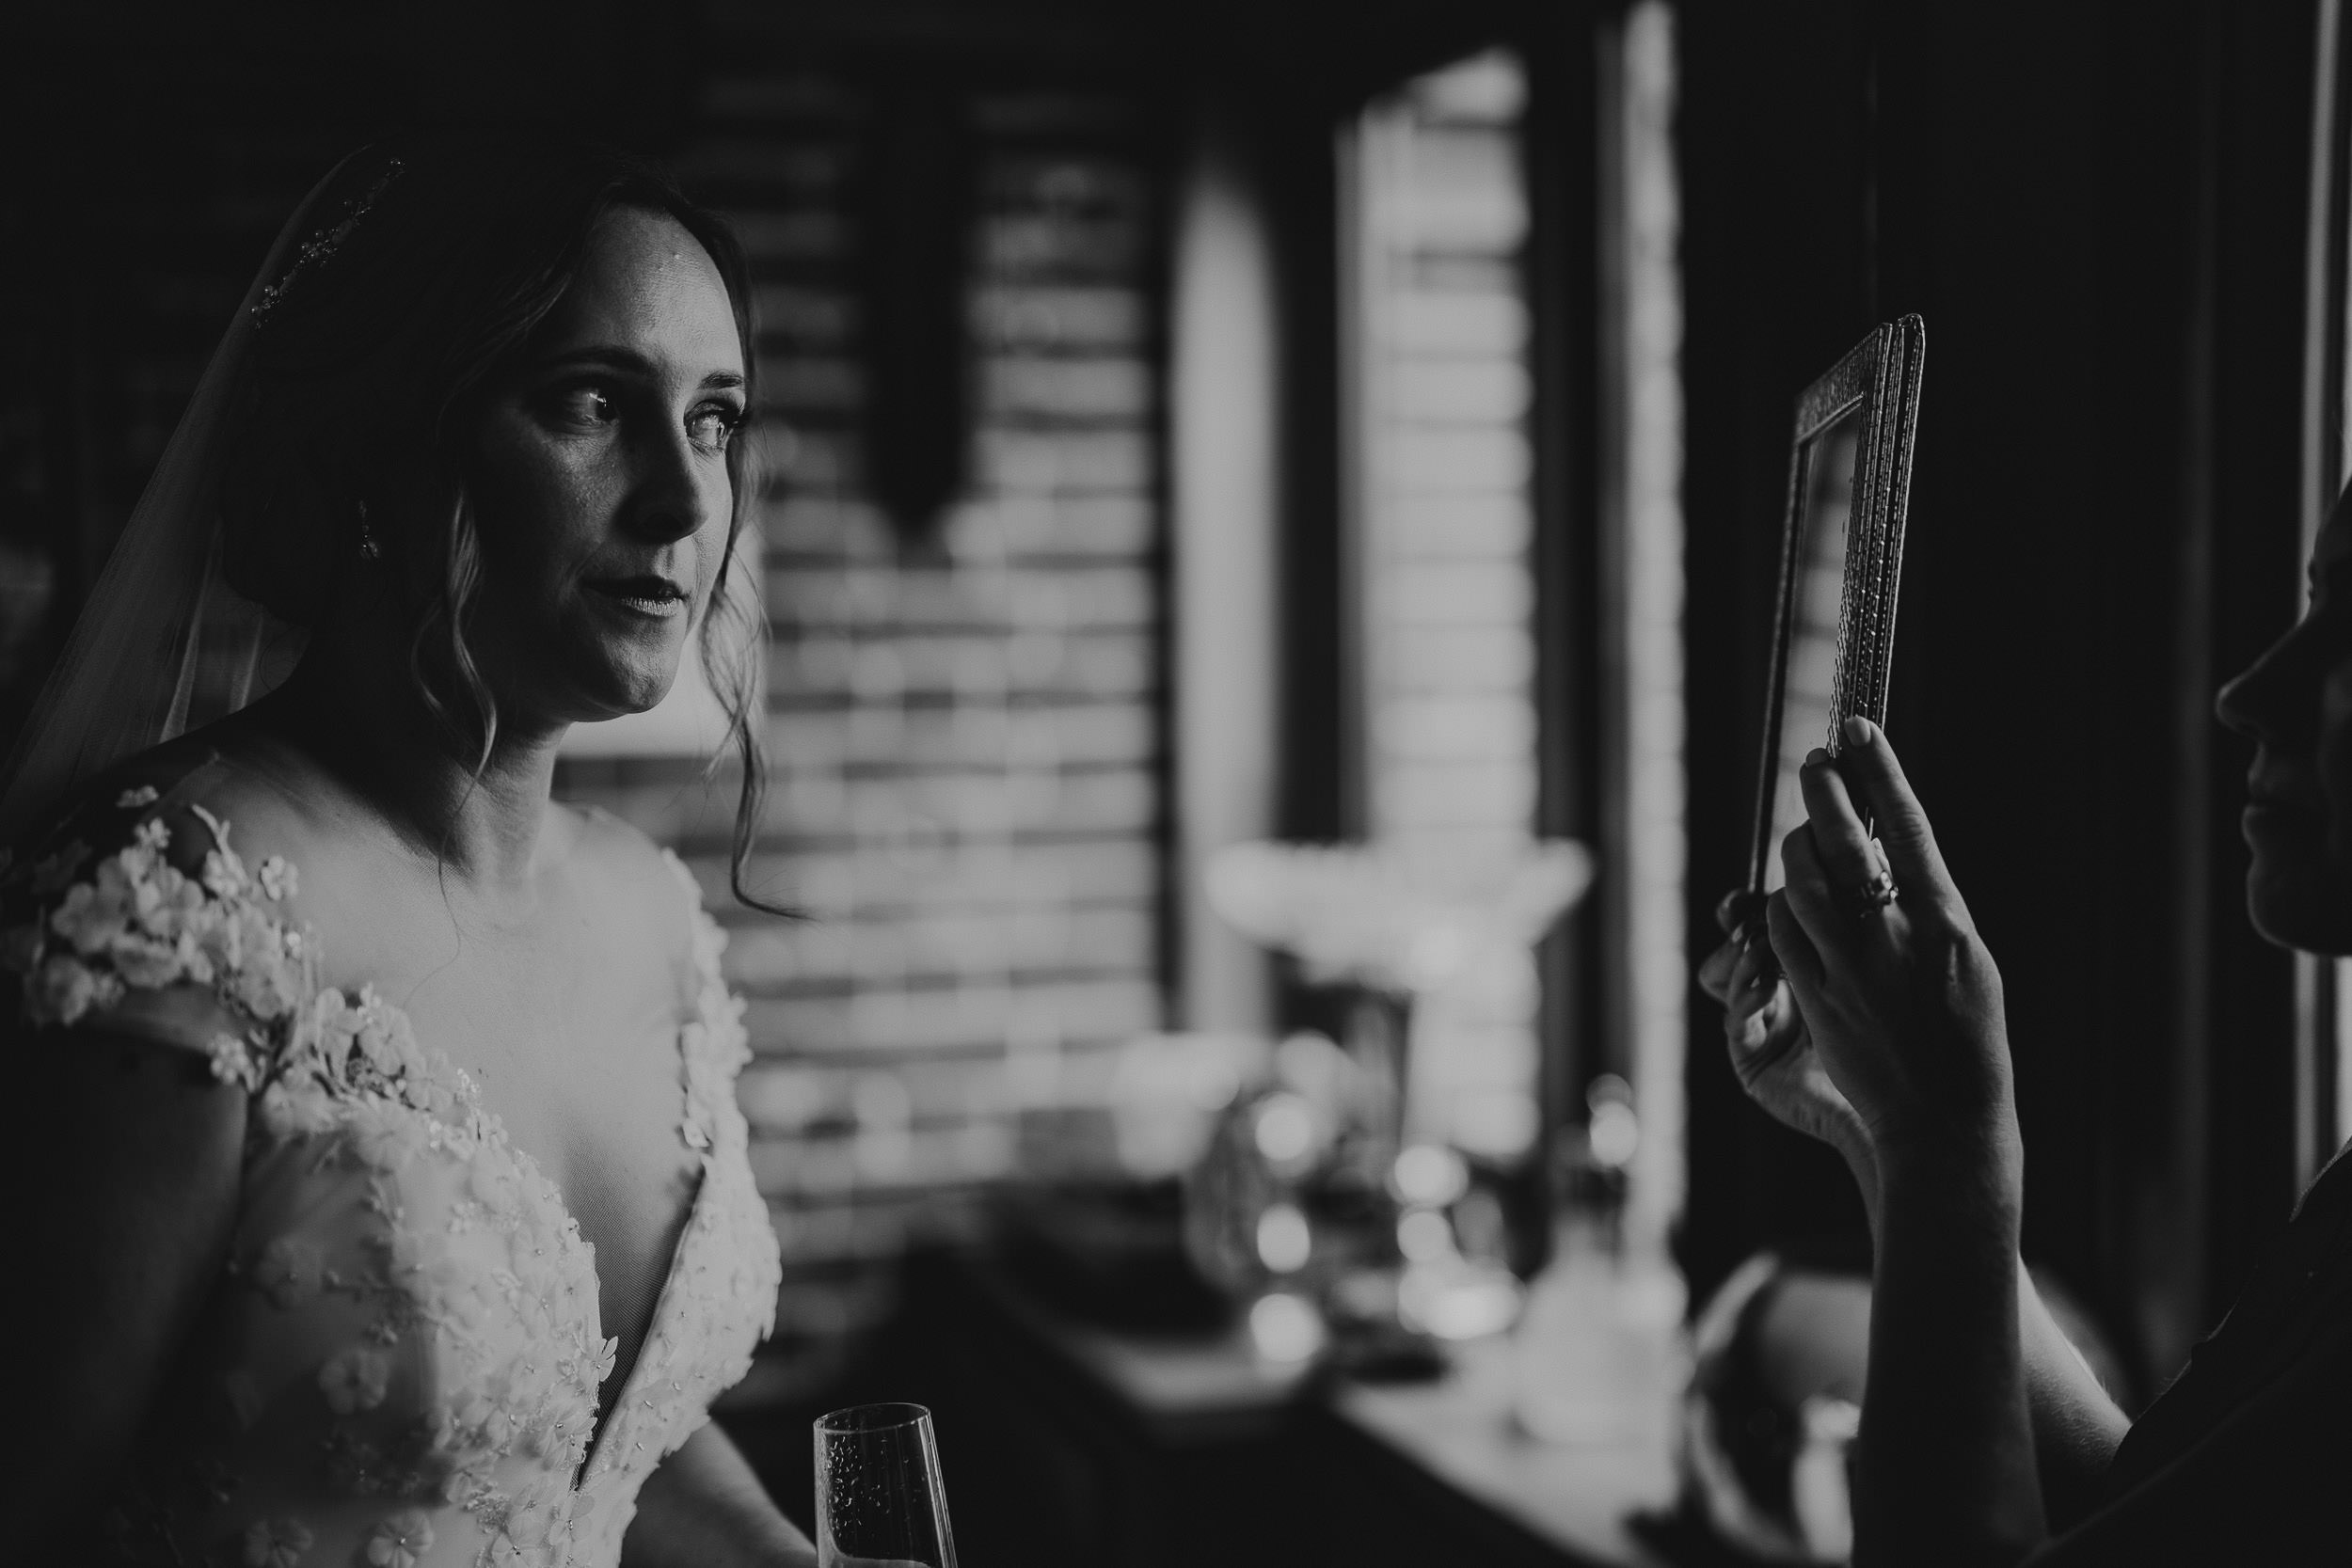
column 730, row 661
column 449, row 609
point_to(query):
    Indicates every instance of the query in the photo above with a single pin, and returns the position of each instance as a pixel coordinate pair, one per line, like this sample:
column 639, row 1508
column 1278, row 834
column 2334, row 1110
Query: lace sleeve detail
column 127, row 935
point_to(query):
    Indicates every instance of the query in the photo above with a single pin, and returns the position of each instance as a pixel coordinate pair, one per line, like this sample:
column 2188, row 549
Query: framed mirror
column 1842, row 553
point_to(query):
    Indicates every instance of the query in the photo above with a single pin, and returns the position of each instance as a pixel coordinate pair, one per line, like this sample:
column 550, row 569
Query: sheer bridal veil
column 162, row 630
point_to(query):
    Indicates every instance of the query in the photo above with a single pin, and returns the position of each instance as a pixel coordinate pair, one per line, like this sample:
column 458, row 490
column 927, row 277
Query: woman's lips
column 656, row 599
column 2275, row 820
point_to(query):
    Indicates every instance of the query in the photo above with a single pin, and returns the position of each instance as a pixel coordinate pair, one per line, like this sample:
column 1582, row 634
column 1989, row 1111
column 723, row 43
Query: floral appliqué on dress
column 401, row 1364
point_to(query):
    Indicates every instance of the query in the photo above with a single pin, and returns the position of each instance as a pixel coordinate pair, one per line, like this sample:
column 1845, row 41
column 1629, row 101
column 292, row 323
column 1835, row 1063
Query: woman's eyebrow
column 610, row 357
column 629, row 361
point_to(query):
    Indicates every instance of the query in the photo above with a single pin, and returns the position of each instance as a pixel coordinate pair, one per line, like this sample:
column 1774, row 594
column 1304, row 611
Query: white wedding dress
column 399, row 1363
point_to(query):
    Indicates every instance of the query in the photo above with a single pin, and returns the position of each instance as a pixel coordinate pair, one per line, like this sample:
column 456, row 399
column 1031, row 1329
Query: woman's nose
column 672, row 496
column 2256, row 702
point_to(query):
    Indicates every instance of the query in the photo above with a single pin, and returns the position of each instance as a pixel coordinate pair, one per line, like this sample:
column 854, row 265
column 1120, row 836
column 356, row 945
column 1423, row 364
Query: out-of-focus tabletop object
column 1369, row 1235
column 1389, row 918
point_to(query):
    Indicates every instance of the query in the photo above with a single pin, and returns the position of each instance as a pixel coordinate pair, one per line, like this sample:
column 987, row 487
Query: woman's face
column 600, row 480
column 2296, row 702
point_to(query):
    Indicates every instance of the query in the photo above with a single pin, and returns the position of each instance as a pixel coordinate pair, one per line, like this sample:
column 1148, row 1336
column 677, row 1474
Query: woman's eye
column 712, row 427
column 586, row 405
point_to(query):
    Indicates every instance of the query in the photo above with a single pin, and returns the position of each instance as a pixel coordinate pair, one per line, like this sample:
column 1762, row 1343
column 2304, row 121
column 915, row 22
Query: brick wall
column 963, row 728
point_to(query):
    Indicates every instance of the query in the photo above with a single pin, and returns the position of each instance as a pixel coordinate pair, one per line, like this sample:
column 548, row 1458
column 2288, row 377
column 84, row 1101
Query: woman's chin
column 2297, row 911
column 625, row 688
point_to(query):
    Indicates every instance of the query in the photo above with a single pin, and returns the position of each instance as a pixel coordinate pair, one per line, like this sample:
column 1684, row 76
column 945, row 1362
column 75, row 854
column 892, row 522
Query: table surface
column 1604, row 1406
column 1185, row 1386
column 1566, row 1426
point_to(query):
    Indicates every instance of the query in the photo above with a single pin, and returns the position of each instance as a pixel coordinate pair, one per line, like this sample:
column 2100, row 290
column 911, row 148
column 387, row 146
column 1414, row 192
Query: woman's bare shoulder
column 622, row 861
column 646, row 903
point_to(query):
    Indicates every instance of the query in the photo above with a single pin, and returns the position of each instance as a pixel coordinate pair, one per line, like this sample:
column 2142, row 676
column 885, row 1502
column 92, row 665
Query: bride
column 381, row 1194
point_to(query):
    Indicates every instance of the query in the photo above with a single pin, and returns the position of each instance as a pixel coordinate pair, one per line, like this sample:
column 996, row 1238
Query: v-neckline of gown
column 602, row 1421
column 605, row 1421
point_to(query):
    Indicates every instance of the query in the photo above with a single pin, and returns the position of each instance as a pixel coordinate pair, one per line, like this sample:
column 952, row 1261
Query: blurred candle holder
column 1387, row 925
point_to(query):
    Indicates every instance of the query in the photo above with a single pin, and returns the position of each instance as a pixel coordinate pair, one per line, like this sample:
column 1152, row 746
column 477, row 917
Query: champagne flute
column 880, row 1501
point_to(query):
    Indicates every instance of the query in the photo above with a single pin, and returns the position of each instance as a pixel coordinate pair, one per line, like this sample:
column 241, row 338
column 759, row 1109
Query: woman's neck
column 359, row 715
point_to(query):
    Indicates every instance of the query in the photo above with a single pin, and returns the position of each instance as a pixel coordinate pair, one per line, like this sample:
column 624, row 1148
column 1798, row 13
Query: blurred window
column 1437, row 533
column 1641, row 310
column 1444, row 736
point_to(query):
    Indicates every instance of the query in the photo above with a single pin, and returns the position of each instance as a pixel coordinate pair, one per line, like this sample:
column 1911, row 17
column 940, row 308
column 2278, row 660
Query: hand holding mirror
column 1840, row 559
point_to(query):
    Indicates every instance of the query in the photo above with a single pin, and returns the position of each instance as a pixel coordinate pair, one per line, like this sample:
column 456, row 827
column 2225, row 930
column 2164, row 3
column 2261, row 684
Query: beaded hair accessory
column 320, row 247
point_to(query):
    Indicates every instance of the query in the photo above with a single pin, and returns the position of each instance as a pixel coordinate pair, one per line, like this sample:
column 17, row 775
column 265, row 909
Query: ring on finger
column 1876, row 893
